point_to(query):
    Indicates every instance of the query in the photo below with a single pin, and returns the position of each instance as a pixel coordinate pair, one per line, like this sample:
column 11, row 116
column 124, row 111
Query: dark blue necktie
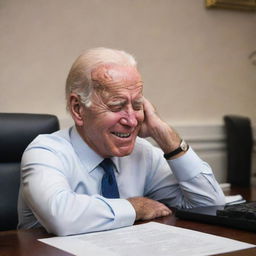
column 108, row 184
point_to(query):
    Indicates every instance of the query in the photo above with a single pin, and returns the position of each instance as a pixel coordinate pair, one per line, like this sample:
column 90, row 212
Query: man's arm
column 168, row 140
column 197, row 185
column 47, row 193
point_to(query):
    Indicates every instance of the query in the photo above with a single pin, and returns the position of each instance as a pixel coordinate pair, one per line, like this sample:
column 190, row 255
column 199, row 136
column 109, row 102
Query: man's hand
column 148, row 209
column 167, row 139
column 151, row 120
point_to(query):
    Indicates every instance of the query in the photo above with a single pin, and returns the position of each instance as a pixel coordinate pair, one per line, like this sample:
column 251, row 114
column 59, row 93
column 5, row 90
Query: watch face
column 184, row 145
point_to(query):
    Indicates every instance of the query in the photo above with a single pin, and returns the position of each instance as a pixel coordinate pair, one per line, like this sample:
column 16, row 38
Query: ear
column 77, row 109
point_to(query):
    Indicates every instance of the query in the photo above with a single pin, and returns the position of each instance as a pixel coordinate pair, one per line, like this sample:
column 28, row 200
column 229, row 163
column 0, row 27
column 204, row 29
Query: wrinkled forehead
column 112, row 76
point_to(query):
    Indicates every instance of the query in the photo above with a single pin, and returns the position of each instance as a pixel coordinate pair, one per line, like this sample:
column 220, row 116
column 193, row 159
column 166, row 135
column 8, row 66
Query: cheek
column 109, row 120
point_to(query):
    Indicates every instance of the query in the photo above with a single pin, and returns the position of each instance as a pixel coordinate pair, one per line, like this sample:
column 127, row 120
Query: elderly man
column 98, row 174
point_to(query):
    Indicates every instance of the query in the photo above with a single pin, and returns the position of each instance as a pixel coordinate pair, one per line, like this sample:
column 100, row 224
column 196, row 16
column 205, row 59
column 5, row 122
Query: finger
column 166, row 213
column 147, row 105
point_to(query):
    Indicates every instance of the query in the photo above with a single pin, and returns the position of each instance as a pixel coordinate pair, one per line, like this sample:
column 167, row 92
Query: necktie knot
column 107, row 165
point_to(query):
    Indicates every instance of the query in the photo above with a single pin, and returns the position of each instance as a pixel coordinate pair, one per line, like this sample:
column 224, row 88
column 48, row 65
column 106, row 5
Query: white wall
column 194, row 61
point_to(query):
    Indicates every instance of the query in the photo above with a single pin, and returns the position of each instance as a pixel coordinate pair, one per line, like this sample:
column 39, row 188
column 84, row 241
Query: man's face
column 112, row 122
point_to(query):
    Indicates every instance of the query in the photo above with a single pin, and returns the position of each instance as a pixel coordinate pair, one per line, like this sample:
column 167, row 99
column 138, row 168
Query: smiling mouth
column 121, row 135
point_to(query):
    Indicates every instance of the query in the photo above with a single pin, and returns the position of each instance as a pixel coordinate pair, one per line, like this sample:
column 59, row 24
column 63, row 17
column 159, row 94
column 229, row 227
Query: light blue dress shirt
column 61, row 184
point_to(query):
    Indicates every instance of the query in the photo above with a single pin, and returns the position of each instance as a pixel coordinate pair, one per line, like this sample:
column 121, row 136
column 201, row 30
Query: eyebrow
column 118, row 102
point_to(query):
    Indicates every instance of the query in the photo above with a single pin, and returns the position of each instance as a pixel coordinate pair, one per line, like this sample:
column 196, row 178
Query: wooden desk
column 24, row 242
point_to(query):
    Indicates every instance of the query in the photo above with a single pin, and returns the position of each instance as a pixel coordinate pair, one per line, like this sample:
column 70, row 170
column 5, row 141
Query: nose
column 130, row 118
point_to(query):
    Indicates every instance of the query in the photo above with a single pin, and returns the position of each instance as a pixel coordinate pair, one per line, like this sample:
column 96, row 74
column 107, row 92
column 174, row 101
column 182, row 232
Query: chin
column 123, row 152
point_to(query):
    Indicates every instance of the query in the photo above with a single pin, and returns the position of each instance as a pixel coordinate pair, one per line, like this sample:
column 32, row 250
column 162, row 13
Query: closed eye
column 116, row 106
column 137, row 106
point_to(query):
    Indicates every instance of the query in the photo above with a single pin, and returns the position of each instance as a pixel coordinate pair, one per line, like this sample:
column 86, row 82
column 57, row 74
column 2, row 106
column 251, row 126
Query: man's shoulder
column 52, row 150
column 55, row 141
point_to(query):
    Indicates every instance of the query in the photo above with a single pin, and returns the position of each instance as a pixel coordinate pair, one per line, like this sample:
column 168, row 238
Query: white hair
column 79, row 78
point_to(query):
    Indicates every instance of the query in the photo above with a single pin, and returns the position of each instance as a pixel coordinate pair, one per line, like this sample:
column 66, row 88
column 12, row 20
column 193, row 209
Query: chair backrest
column 16, row 132
column 239, row 149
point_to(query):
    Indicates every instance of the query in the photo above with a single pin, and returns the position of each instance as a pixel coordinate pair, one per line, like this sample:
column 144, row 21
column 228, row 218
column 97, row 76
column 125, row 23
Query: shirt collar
column 89, row 158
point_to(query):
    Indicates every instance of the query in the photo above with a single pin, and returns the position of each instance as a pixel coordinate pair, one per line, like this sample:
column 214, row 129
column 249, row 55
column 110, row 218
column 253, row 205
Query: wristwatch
column 182, row 148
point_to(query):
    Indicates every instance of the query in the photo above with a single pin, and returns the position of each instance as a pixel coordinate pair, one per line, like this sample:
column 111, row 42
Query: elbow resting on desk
column 201, row 198
column 82, row 216
column 62, row 226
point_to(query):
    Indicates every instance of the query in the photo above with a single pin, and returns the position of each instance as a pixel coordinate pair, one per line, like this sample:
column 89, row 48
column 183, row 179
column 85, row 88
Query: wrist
column 180, row 150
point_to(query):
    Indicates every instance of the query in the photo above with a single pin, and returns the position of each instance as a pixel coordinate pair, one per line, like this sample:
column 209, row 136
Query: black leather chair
column 239, row 149
column 16, row 132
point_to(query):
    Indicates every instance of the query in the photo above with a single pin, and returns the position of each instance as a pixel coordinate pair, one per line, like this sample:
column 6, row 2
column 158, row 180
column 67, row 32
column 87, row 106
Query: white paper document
column 235, row 199
column 148, row 239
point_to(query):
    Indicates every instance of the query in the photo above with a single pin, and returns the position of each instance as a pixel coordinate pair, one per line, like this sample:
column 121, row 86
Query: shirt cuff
column 124, row 212
column 187, row 166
